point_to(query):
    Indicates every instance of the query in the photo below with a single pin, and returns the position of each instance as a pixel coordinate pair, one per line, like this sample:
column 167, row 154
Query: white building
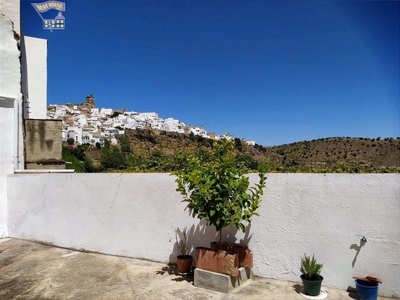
column 92, row 139
column 198, row 131
column 61, row 110
column 104, row 112
column 96, row 140
column 64, row 135
column 86, row 137
column 147, row 116
column 80, row 120
column 36, row 90
column 11, row 104
column 108, row 122
column 75, row 132
column 118, row 124
column 251, row 143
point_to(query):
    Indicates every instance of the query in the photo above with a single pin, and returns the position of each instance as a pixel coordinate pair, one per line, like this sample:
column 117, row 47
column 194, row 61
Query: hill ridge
column 160, row 151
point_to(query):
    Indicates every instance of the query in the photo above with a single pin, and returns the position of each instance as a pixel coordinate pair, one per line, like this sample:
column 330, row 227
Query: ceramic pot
column 184, row 263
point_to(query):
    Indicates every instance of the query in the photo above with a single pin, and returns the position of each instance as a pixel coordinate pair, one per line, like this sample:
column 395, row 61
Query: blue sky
column 271, row 71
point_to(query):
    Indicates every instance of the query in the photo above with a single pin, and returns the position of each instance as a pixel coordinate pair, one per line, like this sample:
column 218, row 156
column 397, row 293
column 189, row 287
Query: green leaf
column 218, row 191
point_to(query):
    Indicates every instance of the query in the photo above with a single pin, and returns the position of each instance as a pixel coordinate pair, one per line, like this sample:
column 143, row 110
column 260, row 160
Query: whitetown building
column 87, row 124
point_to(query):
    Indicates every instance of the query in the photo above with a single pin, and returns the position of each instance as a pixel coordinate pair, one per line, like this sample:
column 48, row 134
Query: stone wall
column 43, row 144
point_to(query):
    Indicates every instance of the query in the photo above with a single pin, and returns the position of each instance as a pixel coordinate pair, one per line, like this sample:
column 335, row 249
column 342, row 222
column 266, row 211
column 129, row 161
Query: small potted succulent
column 183, row 260
column 310, row 276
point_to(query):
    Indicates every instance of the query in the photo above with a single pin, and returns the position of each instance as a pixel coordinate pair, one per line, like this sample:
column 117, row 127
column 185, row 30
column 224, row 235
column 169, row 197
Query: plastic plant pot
column 367, row 290
column 312, row 287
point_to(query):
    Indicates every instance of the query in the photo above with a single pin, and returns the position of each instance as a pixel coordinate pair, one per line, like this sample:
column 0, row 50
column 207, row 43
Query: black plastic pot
column 312, row 287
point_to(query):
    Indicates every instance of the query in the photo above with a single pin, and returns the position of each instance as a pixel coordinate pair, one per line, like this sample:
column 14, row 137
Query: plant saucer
column 322, row 295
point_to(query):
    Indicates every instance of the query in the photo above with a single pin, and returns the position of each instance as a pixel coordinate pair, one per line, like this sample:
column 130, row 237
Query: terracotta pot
column 245, row 254
column 219, row 261
column 184, row 263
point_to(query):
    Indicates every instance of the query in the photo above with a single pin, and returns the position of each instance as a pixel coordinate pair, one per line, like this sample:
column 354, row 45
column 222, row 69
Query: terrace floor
column 30, row 270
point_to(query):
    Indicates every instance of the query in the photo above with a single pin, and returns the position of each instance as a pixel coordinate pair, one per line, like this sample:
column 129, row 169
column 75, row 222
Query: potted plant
column 310, row 276
column 183, row 260
column 367, row 287
column 219, row 192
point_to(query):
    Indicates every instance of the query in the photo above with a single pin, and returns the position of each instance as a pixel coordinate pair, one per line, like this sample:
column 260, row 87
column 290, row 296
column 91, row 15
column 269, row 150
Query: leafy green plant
column 310, row 267
column 125, row 144
column 113, row 159
column 70, row 141
column 77, row 160
column 181, row 240
column 218, row 190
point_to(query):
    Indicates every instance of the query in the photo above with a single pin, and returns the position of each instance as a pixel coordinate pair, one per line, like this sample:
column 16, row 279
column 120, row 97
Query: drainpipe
column 16, row 131
column 16, row 135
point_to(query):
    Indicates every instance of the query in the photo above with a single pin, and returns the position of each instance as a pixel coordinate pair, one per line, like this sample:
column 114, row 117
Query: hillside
column 160, row 151
column 379, row 152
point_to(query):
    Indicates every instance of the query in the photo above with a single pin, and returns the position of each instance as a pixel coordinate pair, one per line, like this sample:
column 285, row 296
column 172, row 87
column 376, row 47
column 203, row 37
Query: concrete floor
column 31, row 270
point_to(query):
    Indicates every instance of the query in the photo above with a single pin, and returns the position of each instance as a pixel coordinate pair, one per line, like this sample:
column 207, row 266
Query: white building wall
column 106, row 111
column 10, row 88
column 252, row 143
column 36, row 59
column 136, row 214
column 10, row 9
column 75, row 133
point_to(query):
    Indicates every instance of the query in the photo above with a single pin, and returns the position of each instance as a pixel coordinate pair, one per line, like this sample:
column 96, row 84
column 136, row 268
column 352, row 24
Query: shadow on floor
column 172, row 270
column 352, row 292
column 297, row 287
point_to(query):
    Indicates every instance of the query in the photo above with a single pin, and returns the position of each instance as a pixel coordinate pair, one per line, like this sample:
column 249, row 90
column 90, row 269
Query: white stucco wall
column 36, row 67
column 10, row 78
column 10, row 9
column 135, row 215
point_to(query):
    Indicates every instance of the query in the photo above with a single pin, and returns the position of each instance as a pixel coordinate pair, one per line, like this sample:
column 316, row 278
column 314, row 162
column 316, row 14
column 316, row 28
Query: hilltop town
column 145, row 142
column 87, row 124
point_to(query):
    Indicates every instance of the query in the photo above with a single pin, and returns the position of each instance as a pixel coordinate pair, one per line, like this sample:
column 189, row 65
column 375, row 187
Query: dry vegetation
column 158, row 151
column 379, row 152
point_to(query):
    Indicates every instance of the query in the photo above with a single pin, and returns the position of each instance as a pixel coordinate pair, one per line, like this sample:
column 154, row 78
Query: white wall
column 327, row 215
column 10, row 78
column 135, row 215
column 10, row 9
column 36, row 62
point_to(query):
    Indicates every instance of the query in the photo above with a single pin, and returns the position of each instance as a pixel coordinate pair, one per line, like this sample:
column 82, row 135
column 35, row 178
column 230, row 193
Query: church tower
column 90, row 101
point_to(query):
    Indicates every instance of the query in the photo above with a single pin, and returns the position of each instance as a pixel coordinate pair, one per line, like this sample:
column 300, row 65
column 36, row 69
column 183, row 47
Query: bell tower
column 90, row 101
